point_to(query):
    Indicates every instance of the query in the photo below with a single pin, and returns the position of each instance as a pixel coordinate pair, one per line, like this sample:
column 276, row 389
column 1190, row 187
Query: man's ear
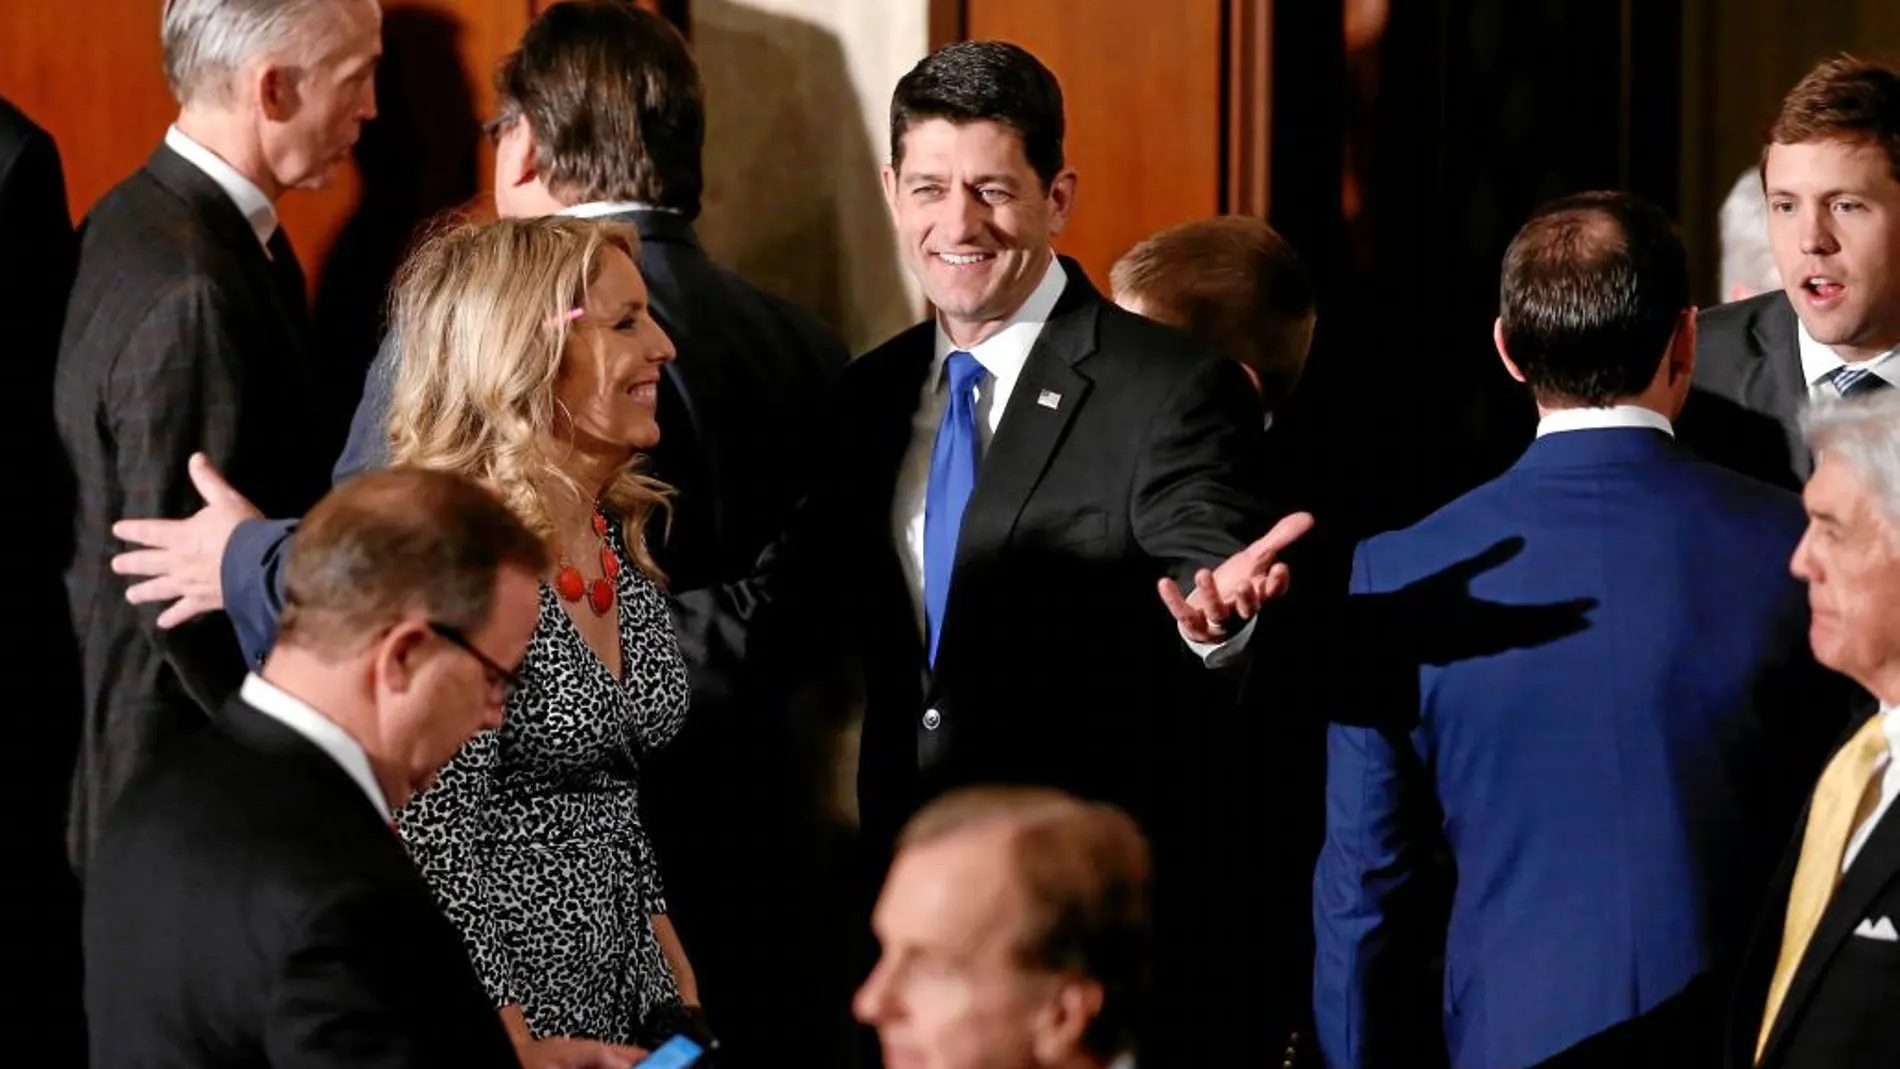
column 396, row 655
column 515, row 157
column 1682, row 345
column 888, row 176
column 1061, row 201
column 275, row 90
column 1497, row 339
column 1065, row 1019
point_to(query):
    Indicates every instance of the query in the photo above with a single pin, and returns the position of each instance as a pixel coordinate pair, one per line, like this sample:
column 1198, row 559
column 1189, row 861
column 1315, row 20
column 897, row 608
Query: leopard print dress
column 531, row 838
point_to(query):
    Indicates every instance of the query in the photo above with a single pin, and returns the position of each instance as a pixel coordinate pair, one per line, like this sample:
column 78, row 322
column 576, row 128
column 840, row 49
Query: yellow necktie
column 1840, row 804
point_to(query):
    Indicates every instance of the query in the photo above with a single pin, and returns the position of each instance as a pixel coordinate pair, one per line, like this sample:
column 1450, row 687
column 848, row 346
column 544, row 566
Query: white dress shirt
column 1596, row 419
column 244, row 193
column 297, row 715
column 1818, row 362
column 1889, row 771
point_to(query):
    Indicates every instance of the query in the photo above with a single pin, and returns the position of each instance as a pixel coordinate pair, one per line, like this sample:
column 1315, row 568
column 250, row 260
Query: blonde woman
column 529, row 361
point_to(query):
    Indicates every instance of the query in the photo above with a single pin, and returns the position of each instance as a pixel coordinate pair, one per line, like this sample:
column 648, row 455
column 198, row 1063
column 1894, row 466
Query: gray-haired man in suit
column 187, row 333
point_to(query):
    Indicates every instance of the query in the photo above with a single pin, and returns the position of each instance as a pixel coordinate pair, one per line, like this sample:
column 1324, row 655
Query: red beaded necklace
column 570, row 585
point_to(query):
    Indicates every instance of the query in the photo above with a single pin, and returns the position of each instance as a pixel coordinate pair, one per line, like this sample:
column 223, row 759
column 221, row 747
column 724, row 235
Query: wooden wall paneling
column 1248, row 118
column 1142, row 87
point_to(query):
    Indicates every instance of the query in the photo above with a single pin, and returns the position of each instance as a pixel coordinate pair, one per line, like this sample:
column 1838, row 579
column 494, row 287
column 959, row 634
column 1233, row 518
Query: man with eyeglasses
column 249, row 903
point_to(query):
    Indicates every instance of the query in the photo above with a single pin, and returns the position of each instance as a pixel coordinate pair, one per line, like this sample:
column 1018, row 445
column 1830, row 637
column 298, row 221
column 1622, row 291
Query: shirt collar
column 1593, row 419
column 1004, row 353
column 594, row 209
column 250, row 200
column 1818, row 361
column 1890, row 726
column 297, row 715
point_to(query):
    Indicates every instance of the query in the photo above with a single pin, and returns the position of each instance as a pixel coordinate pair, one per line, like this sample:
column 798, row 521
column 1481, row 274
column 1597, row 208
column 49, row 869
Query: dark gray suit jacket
column 1744, row 411
column 179, row 337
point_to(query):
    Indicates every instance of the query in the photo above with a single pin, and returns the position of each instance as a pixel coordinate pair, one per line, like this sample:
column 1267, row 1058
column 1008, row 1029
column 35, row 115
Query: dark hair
column 984, row 81
column 398, row 542
column 1233, row 282
column 1083, row 870
column 614, row 101
column 1593, row 286
column 1844, row 98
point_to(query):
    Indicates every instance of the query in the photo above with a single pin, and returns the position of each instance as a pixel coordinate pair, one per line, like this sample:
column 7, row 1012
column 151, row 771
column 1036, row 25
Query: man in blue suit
column 1584, row 688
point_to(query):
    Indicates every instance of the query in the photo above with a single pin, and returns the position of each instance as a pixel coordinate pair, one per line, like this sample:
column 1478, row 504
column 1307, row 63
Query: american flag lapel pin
column 1049, row 399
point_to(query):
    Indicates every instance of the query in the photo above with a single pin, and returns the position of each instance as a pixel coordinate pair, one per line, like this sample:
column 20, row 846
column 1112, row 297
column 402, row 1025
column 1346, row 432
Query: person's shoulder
column 1726, row 330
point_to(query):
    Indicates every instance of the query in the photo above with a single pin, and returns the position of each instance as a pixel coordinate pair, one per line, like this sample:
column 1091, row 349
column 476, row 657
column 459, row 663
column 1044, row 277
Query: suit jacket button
column 932, row 718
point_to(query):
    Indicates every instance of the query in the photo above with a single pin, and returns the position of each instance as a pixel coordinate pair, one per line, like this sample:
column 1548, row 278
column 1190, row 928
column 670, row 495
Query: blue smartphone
column 676, row 1053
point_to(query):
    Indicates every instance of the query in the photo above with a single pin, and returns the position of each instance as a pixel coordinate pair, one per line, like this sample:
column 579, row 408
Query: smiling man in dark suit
column 1014, row 476
column 187, row 332
column 1831, row 172
column 1822, row 983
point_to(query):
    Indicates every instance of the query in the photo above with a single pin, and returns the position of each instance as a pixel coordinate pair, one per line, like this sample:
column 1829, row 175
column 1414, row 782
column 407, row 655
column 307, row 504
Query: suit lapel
column 1046, row 398
column 1776, row 385
column 1876, row 866
column 221, row 217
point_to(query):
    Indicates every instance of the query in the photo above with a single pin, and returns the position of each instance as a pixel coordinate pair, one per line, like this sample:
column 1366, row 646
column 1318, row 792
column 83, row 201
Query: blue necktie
column 952, row 474
column 1857, row 381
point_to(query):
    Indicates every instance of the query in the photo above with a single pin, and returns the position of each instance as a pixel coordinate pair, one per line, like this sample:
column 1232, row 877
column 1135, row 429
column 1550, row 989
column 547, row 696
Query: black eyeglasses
column 492, row 128
column 509, row 682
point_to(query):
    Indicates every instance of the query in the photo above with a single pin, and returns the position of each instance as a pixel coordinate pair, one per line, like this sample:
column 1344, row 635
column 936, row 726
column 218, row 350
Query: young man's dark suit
column 181, row 336
column 1745, row 408
column 1840, row 1005
column 247, row 906
column 1127, row 453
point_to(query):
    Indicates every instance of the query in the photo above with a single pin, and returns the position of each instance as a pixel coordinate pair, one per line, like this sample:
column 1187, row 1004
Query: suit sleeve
column 1376, row 809
column 174, row 389
column 373, row 981
column 443, row 828
column 720, row 627
column 252, row 569
column 1195, row 502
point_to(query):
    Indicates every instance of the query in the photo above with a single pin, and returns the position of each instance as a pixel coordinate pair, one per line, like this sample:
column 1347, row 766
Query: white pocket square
column 1881, row 929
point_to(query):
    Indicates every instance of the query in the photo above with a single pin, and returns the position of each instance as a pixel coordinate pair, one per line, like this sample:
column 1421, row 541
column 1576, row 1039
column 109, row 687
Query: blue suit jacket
column 1586, row 684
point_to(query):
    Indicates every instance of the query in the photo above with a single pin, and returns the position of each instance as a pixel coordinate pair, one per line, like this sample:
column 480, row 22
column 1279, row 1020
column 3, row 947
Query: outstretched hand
column 1238, row 587
column 182, row 560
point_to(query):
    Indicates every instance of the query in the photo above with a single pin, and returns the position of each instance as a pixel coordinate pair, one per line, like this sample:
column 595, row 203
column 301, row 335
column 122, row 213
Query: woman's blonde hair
column 481, row 318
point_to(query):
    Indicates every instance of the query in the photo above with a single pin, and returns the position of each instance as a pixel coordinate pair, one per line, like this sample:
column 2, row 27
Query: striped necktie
column 1854, row 381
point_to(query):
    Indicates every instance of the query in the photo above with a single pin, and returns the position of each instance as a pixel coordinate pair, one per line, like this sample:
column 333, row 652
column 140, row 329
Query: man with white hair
column 187, row 331
column 1823, row 981
column 1748, row 260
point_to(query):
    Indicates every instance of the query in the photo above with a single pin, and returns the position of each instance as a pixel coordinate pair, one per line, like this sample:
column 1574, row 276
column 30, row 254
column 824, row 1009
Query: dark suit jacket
column 246, row 907
column 1840, row 1005
column 1601, row 703
column 177, row 339
column 1745, row 408
column 36, row 272
column 1057, row 663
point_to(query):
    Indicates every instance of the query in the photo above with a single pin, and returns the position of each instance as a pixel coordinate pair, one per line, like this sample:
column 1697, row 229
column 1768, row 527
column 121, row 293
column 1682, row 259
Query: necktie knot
column 963, row 370
column 1853, row 381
